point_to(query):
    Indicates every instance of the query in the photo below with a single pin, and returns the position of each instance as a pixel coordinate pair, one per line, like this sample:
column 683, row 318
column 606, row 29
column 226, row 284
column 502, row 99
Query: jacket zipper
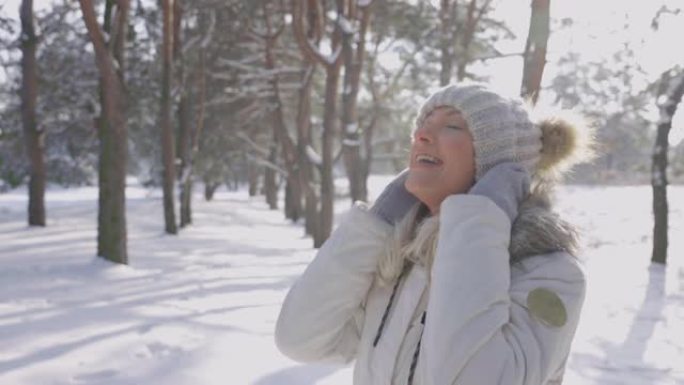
column 416, row 353
column 387, row 309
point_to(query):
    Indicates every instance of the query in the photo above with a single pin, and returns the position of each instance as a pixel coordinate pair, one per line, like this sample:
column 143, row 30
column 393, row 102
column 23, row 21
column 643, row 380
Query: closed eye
column 455, row 127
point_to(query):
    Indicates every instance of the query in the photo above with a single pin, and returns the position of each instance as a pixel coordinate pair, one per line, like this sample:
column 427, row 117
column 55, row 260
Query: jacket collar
column 537, row 230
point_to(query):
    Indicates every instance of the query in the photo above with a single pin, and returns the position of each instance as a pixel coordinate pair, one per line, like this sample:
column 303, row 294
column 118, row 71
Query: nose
column 424, row 133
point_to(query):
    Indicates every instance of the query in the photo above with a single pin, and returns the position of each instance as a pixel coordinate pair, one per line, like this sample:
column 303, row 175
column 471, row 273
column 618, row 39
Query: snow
column 346, row 25
column 351, row 142
column 351, row 128
column 241, row 65
column 664, row 117
column 210, row 31
column 674, row 83
column 313, row 156
column 200, row 307
column 327, row 59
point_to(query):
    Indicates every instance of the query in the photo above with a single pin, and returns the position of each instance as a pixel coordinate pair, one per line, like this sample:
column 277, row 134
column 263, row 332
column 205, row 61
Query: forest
column 284, row 96
column 168, row 168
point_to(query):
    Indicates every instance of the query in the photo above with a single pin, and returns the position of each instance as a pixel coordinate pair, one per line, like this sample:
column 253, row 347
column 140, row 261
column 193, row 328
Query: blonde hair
column 414, row 240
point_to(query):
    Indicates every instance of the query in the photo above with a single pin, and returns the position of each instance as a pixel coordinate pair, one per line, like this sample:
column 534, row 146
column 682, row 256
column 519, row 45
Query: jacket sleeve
column 322, row 315
column 478, row 328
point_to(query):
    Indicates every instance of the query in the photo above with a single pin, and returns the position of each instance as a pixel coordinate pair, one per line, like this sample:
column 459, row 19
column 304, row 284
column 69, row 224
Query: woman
column 459, row 273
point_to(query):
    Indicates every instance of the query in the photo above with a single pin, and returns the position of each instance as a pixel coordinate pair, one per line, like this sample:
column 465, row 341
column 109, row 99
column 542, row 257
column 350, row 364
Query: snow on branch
column 332, row 59
column 351, row 142
column 291, row 86
column 268, row 74
column 244, row 61
column 328, row 60
column 308, row 48
column 665, row 117
column 185, row 175
column 236, row 64
column 219, row 75
column 264, row 162
column 259, row 149
column 210, row 31
column 673, row 85
column 222, row 100
column 351, row 128
column 313, row 156
column 346, row 25
column 190, row 43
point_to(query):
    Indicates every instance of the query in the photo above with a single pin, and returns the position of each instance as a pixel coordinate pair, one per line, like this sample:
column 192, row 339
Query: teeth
column 426, row 158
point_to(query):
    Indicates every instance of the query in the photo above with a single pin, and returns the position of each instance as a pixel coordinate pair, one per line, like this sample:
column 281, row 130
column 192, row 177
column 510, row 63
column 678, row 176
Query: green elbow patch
column 546, row 307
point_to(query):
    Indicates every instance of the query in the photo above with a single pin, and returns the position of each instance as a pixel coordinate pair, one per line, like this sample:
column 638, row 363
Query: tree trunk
column 466, row 39
column 167, row 140
column 473, row 18
column 112, row 240
column 327, row 182
column 34, row 138
column 368, row 144
column 669, row 97
column 184, row 119
column 185, row 202
column 351, row 140
column 209, row 189
column 270, row 178
column 306, row 167
column 332, row 66
column 293, row 198
column 184, row 148
column 535, row 50
column 253, row 178
column 293, row 195
column 306, row 174
column 446, row 42
column 184, row 172
column 186, row 179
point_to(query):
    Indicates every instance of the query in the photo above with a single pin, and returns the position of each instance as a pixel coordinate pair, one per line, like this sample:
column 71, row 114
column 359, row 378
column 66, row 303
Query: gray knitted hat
column 503, row 131
column 501, row 127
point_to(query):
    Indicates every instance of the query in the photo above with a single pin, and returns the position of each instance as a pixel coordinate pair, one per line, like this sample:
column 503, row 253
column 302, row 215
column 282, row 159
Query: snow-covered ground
column 200, row 308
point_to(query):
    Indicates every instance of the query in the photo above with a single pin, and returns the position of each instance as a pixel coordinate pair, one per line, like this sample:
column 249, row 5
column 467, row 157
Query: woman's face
column 442, row 160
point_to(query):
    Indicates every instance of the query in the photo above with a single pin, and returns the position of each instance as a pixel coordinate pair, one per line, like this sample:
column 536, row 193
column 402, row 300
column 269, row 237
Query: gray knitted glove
column 507, row 184
column 394, row 201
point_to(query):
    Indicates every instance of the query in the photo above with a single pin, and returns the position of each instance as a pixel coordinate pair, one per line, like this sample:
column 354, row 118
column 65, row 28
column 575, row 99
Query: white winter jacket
column 478, row 319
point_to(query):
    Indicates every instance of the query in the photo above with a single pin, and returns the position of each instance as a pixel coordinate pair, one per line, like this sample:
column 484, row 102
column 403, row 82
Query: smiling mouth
column 424, row 159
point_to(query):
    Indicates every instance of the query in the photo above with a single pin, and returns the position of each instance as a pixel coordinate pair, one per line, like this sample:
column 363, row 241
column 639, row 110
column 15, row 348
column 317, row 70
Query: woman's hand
column 507, row 184
column 394, row 201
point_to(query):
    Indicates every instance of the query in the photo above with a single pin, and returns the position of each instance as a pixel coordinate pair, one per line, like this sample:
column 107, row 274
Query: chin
column 418, row 188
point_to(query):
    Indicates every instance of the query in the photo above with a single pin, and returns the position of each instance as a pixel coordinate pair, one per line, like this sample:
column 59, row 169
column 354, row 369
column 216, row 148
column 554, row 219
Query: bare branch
column 307, row 47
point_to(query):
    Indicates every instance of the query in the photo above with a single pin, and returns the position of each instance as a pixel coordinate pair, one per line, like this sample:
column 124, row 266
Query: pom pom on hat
column 566, row 141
